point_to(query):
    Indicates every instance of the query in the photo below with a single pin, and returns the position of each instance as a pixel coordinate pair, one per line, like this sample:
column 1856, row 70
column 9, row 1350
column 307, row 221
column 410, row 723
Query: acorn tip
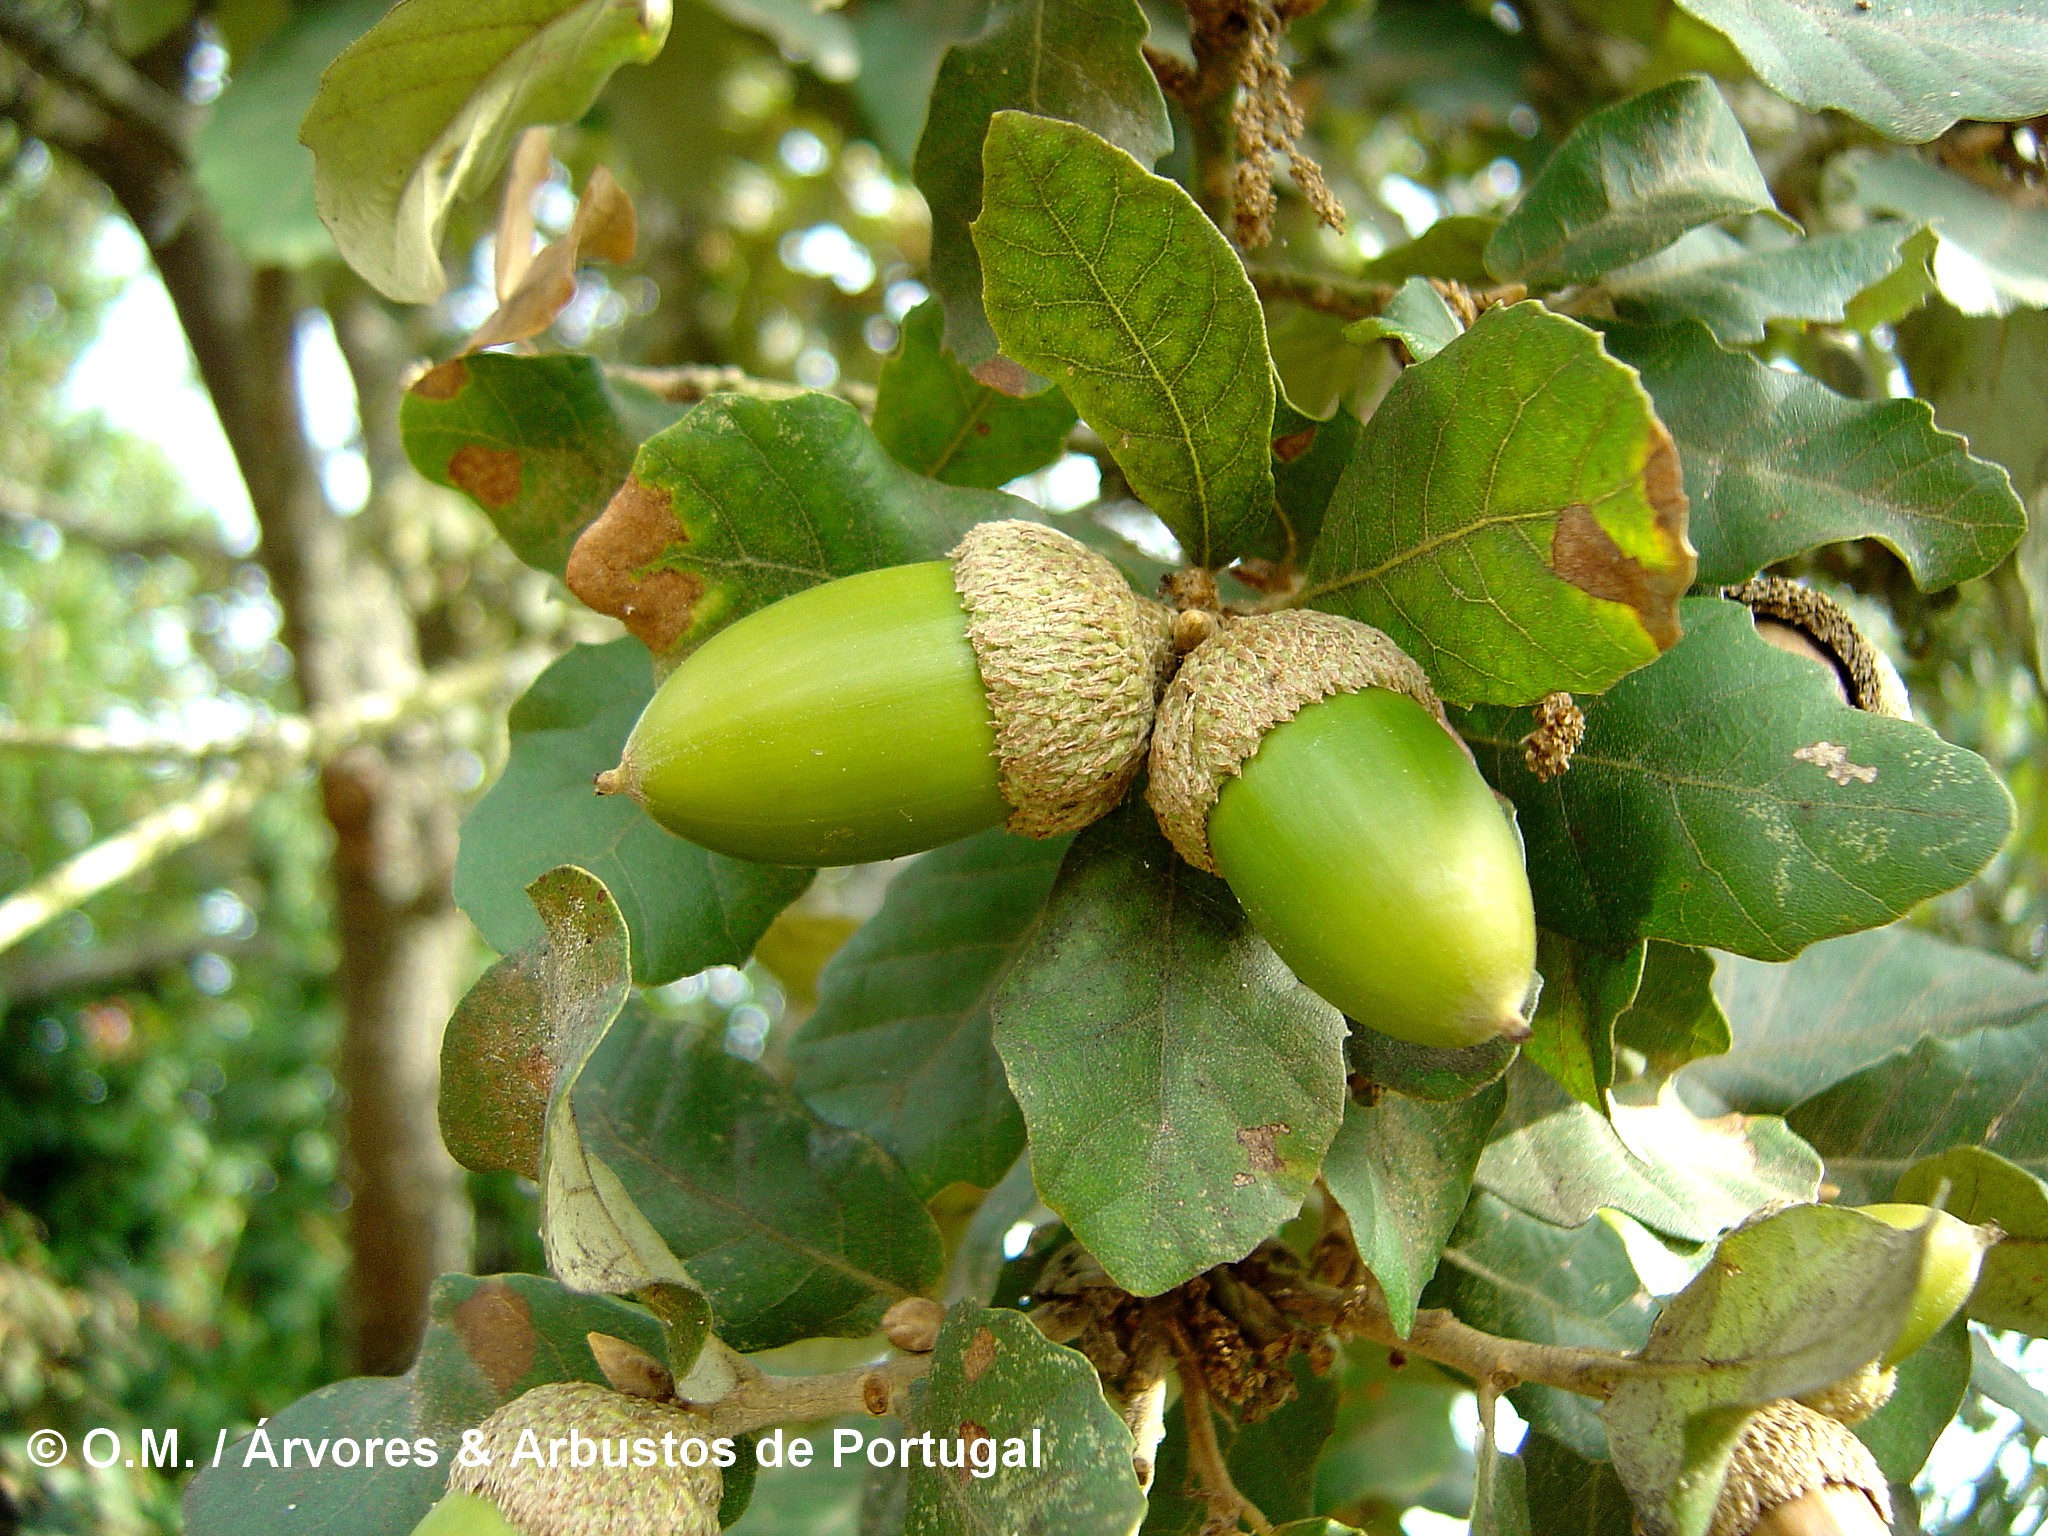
column 610, row 782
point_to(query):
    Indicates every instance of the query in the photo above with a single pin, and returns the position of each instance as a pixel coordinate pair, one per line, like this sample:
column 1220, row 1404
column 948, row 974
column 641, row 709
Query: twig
column 223, row 796
column 295, row 736
column 220, row 799
column 65, row 47
column 687, row 383
column 1440, row 1336
column 1488, row 1464
column 1346, row 298
column 1205, row 1457
column 759, row 1400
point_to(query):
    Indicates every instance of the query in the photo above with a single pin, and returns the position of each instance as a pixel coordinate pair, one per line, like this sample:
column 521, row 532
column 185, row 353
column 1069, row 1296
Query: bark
column 400, row 938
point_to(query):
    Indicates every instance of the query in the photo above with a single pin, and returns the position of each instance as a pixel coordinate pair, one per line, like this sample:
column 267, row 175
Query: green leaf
column 1402, row 1169
column 935, row 418
column 1453, row 248
column 995, row 1371
column 1985, row 379
column 1416, row 316
column 1272, row 1460
column 1851, row 1003
column 1424, row 1072
column 539, row 443
column 1078, row 60
column 804, row 33
column 1675, row 1018
column 1112, row 283
column 685, row 908
column 487, row 1341
column 511, row 1060
column 900, row 1044
column 1789, row 1305
column 1930, row 1388
column 532, row 1018
column 2007, row 1387
column 1981, row 1186
column 1566, row 1492
column 1305, row 478
column 1180, row 1087
column 1688, row 1178
column 1584, row 993
column 1738, row 289
column 423, row 109
column 1776, row 463
column 1740, row 803
column 744, row 501
column 1991, row 259
column 247, row 155
column 1512, row 517
column 1394, row 1441
column 1982, row 1087
column 1626, row 182
column 1909, row 71
column 1508, row 1273
column 795, row 1229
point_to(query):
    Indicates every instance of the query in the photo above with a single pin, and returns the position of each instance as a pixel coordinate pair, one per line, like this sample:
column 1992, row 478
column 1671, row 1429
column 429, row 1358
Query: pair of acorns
column 1301, row 756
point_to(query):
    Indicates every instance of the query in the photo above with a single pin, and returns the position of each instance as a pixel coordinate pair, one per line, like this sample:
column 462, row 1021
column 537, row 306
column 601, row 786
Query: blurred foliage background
column 173, row 1238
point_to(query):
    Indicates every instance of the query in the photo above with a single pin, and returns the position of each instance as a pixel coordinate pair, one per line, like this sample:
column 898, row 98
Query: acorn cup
column 1304, row 758
column 1797, row 1472
column 1804, row 622
column 512, row 1496
column 890, row 712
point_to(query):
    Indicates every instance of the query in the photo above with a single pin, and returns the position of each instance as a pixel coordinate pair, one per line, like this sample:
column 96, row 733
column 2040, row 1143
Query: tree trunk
column 400, row 937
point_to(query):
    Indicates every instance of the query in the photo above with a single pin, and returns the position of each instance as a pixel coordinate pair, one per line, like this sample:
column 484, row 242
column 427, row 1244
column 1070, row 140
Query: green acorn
column 1955, row 1253
column 1305, row 759
column 889, row 712
column 517, row 1491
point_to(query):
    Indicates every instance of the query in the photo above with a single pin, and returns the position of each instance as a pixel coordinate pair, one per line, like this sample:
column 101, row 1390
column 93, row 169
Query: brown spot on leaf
column 1005, row 376
column 489, row 475
column 1585, row 554
column 1260, row 1149
column 609, row 567
column 970, row 1432
column 443, row 382
column 979, row 1356
column 496, row 1329
column 1291, row 447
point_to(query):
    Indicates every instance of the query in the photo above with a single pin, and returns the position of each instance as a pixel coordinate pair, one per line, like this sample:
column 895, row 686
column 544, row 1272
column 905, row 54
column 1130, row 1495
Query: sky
column 139, row 374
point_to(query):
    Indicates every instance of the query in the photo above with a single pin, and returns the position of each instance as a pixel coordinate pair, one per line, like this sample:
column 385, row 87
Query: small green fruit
column 465, row 1514
column 1352, row 825
column 890, row 712
column 1955, row 1252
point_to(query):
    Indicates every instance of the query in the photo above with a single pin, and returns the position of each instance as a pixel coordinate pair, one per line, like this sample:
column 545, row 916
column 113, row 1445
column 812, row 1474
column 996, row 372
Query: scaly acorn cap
column 1856, row 1396
column 1786, row 1452
column 1257, row 673
column 596, row 1500
column 1073, row 661
column 1867, row 674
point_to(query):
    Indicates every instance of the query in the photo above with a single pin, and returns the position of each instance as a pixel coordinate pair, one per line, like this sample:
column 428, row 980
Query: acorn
column 1797, row 1472
column 509, row 1495
column 1955, row 1253
column 1305, row 759
column 886, row 713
